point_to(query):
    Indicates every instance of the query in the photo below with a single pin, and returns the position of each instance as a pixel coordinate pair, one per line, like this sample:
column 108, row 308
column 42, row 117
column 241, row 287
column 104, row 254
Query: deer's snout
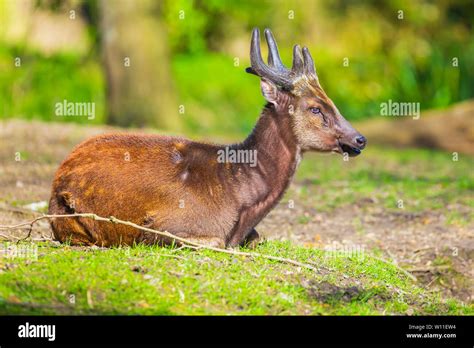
column 352, row 144
column 361, row 141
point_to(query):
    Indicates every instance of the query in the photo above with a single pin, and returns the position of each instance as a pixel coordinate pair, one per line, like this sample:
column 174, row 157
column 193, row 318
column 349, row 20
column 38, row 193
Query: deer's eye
column 315, row 110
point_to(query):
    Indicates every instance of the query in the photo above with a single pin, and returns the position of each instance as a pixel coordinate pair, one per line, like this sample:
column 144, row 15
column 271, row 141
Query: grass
column 166, row 281
column 423, row 180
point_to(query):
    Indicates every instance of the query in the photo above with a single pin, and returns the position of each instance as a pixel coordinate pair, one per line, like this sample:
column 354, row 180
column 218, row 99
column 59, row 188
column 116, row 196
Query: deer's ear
column 269, row 91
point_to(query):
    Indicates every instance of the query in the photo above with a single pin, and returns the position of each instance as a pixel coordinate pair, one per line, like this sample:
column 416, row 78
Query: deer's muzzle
column 354, row 146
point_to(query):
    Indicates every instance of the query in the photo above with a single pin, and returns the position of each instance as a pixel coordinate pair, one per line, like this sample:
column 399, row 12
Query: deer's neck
column 261, row 185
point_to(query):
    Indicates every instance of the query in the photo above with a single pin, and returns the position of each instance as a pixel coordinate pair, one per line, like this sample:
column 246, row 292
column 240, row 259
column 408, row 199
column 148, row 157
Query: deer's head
column 317, row 123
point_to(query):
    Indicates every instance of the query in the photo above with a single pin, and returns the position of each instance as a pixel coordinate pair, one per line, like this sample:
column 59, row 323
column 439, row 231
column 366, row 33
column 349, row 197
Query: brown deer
column 186, row 188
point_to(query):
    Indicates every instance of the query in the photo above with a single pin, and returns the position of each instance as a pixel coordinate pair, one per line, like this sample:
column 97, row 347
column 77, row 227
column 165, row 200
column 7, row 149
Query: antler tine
column 308, row 62
column 255, row 54
column 274, row 59
column 256, row 60
column 297, row 67
column 259, row 67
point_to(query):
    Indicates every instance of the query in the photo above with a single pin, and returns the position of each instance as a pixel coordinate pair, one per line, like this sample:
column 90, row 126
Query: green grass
column 424, row 180
column 155, row 280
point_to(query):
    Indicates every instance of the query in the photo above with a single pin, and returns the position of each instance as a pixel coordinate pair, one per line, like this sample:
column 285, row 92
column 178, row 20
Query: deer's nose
column 361, row 141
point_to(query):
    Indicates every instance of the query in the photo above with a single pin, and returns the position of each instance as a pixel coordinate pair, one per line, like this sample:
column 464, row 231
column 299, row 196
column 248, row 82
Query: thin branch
column 431, row 282
column 17, row 210
column 408, row 274
column 7, row 238
column 173, row 256
column 184, row 247
column 30, row 229
column 430, row 269
column 166, row 234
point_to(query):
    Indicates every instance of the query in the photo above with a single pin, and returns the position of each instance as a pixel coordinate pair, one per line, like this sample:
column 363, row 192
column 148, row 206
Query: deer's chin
column 352, row 151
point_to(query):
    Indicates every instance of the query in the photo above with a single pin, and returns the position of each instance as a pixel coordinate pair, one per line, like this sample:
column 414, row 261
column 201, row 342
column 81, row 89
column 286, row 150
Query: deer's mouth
column 352, row 151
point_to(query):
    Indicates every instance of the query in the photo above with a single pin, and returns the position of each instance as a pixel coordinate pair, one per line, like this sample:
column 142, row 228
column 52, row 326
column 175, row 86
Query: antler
column 275, row 71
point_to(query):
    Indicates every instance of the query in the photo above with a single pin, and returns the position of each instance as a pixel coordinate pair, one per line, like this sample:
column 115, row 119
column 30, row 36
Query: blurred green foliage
column 32, row 93
column 199, row 26
column 403, row 56
column 220, row 99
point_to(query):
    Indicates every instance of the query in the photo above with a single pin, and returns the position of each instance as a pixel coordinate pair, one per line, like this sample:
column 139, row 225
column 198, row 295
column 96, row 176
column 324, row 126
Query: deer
column 183, row 187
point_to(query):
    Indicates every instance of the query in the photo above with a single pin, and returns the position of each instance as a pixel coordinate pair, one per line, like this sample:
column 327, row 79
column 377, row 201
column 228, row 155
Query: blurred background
column 178, row 67
column 186, row 58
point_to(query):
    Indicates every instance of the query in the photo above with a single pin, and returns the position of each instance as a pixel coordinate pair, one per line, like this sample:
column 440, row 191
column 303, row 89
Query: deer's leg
column 72, row 231
column 251, row 240
column 214, row 242
column 244, row 231
column 154, row 238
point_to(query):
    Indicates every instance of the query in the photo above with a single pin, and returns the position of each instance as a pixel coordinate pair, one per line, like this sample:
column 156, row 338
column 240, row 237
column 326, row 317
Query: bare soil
column 450, row 129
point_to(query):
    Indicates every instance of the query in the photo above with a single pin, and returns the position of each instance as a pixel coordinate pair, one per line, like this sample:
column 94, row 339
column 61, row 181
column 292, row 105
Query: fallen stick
column 408, row 274
column 112, row 219
column 183, row 240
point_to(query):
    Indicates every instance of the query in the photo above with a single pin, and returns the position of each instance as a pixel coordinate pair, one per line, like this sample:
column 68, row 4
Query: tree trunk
column 137, row 65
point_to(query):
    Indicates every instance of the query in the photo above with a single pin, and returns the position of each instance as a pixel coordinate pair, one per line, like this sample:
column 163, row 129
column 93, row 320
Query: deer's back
column 172, row 183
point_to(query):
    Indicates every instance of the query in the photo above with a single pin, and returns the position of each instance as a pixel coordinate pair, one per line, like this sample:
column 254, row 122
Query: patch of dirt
column 418, row 242
column 327, row 292
column 429, row 131
column 139, row 269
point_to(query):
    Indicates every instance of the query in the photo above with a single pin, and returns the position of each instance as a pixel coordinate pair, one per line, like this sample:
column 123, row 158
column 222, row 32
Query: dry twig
column 408, row 274
column 186, row 242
